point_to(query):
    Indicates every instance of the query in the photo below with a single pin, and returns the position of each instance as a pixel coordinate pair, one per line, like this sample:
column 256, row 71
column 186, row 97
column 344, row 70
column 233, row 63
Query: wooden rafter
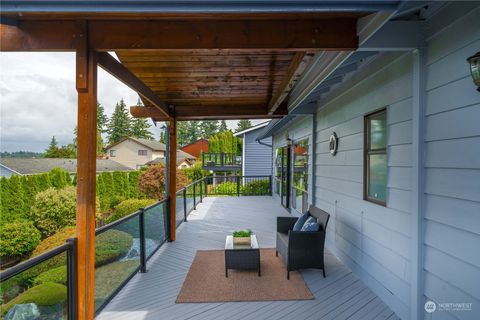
column 296, row 68
column 119, row 71
column 111, row 35
column 247, row 111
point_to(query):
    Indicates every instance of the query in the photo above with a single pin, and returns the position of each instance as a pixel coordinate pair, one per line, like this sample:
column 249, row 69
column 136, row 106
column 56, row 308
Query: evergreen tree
column 194, row 130
column 162, row 137
column 102, row 119
column 243, row 125
column 223, row 126
column 139, row 129
column 209, row 128
column 182, row 133
column 118, row 126
column 52, row 150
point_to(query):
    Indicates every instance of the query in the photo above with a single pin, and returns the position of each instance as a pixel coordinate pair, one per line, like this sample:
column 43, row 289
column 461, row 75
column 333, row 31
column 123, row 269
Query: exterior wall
column 373, row 240
column 300, row 129
column 158, row 154
column 257, row 158
column 127, row 154
column 452, row 170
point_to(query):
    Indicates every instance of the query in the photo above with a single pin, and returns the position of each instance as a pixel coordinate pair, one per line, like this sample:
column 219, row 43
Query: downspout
column 314, row 157
column 264, row 144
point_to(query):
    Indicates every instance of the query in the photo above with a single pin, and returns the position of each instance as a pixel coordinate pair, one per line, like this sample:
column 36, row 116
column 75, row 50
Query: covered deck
column 151, row 295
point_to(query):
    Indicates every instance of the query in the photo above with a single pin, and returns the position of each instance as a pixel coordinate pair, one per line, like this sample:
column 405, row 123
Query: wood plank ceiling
column 209, row 80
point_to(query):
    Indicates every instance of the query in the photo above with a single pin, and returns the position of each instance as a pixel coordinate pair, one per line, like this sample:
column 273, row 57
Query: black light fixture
column 475, row 68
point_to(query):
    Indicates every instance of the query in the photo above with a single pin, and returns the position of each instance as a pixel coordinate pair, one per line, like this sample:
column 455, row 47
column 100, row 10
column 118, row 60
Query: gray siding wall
column 452, row 170
column 257, row 157
column 373, row 240
column 5, row 172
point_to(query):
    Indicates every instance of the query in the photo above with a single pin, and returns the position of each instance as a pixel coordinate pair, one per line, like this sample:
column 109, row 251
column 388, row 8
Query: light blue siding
column 452, row 186
column 257, row 157
column 5, row 172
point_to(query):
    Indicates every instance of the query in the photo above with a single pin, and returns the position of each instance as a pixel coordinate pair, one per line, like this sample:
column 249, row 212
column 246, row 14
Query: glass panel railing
column 38, row 288
column 155, row 218
column 180, row 207
column 117, row 257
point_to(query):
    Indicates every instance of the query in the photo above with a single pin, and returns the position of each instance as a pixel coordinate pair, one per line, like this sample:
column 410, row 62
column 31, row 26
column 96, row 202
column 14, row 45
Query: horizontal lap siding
column 373, row 240
column 258, row 157
column 452, row 185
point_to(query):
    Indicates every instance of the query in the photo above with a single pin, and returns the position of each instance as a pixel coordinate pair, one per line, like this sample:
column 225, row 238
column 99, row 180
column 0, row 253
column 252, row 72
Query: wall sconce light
column 474, row 62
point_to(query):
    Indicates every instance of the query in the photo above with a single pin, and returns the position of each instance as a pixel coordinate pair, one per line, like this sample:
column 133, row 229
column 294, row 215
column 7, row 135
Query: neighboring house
column 404, row 199
column 184, row 160
column 256, row 155
column 135, row 153
column 196, row 148
column 23, row 166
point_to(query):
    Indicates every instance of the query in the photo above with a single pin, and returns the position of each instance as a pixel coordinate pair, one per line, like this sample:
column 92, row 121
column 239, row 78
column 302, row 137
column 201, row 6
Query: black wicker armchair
column 302, row 249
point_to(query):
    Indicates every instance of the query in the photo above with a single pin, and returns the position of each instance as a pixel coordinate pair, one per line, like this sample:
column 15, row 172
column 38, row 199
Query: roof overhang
column 195, row 60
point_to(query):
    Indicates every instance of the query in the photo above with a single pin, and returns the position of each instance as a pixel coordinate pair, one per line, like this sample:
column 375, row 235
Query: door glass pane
column 377, row 180
column 378, row 131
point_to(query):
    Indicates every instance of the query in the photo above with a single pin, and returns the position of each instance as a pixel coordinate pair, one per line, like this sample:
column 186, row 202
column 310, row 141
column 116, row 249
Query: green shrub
column 227, row 187
column 127, row 207
column 54, row 209
column 258, row 187
column 111, row 245
column 60, row 178
column 18, row 238
column 46, row 294
column 56, row 275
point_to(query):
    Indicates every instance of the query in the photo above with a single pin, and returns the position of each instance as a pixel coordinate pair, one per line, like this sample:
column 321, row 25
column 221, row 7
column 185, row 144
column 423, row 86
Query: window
column 142, row 152
column 375, row 160
column 113, row 153
column 278, row 170
column 300, row 176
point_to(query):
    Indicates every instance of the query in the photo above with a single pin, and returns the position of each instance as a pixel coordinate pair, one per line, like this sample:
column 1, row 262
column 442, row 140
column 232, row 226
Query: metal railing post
column 185, row 204
column 201, row 191
column 141, row 222
column 206, row 186
column 168, row 220
column 194, row 201
column 270, row 185
column 72, row 278
column 238, row 186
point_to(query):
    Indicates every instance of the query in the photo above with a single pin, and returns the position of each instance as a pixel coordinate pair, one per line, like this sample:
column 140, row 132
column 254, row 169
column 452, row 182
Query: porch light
column 475, row 68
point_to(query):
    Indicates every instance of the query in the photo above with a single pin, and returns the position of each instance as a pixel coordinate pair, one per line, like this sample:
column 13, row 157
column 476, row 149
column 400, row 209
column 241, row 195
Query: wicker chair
column 302, row 249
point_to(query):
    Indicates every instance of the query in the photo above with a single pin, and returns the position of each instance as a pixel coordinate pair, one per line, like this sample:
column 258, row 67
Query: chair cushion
column 310, row 225
column 283, row 237
column 300, row 222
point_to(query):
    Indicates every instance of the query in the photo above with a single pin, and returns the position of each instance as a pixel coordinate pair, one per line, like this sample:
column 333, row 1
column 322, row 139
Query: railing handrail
column 34, row 261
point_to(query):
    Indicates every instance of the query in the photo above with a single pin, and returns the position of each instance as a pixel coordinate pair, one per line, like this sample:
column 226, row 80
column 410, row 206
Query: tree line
column 121, row 125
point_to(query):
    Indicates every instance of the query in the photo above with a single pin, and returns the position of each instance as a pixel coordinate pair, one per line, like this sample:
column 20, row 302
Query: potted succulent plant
column 242, row 237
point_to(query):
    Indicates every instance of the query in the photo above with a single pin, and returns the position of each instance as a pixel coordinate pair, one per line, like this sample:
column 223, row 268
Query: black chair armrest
column 305, row 239
column 284, row 224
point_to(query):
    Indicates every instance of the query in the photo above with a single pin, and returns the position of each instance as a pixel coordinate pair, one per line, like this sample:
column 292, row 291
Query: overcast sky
column 38, row 99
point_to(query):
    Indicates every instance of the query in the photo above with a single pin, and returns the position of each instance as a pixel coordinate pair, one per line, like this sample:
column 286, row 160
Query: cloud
column 38, row 99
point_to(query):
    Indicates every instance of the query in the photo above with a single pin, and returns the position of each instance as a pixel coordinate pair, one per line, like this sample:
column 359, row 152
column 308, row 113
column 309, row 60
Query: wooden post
column 172, row 176
column 86, row 174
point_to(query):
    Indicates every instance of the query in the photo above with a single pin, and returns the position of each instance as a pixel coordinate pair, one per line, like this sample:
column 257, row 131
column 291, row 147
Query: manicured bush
column 127, row 207
column 46, row 294
column 227, row 187
column 258, row 187
column 152, row 181
column 56, row 275
column 111, row 245
column 18, row 238
column 54, row 209
column 117, row 185
column 60, row 178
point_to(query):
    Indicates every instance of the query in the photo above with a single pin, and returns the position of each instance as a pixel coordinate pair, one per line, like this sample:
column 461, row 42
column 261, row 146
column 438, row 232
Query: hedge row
column 114, row 187
column 18, row 192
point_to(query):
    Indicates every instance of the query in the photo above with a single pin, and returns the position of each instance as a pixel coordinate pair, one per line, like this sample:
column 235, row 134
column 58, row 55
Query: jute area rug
column 206, row 281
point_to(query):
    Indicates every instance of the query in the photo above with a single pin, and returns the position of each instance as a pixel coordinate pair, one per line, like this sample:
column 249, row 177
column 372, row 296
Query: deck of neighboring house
column 341, row 295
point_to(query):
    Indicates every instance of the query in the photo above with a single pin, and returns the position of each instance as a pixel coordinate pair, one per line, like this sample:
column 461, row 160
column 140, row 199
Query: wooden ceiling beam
column 237, row 35
column 119, row 71
column 297, row 66
column 235, row 111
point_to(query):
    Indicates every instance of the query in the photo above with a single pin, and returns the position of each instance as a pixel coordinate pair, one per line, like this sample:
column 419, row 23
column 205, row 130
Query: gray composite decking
column 341, row 295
